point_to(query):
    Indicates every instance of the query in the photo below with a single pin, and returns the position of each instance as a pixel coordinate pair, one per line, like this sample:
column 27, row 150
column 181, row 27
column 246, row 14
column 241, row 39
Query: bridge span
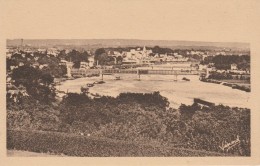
column 138, row 72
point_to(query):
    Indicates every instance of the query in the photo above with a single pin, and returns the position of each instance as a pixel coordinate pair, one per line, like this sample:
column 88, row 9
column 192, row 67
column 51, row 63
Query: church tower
column 144, row 54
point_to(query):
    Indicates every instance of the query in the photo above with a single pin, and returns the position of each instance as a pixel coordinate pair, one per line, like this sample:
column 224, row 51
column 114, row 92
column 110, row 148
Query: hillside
column 126, row 42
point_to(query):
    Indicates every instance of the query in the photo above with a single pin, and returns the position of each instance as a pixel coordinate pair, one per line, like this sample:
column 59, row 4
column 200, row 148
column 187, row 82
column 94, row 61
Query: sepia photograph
column 167, row 80
column 127, row 98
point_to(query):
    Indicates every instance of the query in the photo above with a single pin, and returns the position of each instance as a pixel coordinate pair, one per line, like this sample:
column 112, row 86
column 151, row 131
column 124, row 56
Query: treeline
column 101, row 57
column 227, row 76
column 145, row 118
column 223, row 62
column 50, row 63
column 74, row 56
column 220, row 76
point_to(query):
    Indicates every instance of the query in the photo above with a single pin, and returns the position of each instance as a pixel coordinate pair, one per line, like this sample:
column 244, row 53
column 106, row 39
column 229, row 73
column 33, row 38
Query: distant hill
column 126, row 43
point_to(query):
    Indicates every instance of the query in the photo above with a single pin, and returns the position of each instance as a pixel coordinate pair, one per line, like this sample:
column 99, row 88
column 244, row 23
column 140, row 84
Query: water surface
column 176, row 92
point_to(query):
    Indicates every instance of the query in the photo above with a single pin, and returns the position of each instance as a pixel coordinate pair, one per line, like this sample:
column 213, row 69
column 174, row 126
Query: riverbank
column 234, row 84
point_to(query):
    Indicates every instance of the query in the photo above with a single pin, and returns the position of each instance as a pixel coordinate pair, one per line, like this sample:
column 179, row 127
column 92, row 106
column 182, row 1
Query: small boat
column 84, row 89
column 59, row 91
column 78, row 76
column 71, row 78
column 185, row 79
column 99, row 82
column 90, row 85
column 117, row 77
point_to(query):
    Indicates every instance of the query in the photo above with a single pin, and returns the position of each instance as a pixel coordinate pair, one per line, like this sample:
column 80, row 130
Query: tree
column 159, row 50
column 99, row 51
column 62, row 54
column 36, row 82
column 119, row 59
column 102, row 58
column 76, row 57
column 26, row 76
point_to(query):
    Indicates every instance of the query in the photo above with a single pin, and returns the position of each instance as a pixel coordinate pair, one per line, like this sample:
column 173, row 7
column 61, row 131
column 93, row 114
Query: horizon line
column 242, row 42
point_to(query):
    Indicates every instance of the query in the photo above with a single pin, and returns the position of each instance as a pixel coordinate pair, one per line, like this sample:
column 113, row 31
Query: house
column 21, row 64
column 42, row 66
column 221, row 71
column 66, row 63
column 211, row 64
column 202, row 67
column 117, row 53
column 41, row 50
column 8, row 55
column 178, row 56
column 35, row 65
column 137, row 55
column 129, row 61
column 209, row 70
column 83, row 65
column 91, row 61
column 233, row 66
column 13, row 92
column 13, row 67
column 238, row 72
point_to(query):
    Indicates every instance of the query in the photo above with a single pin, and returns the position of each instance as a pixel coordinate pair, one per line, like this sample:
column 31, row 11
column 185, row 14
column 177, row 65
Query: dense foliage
column 101, row 57
column 144, row 118
column 50, row 63
column 159, row 50
column 220, row 76
column 74, row 56
column 223, row 62
column 37, row 82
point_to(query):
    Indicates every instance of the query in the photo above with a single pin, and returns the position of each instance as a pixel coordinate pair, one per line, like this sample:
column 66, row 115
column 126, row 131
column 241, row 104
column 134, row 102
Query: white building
column 137, row 55
column 202, row 67
column 21, row 64
column 91, row 61
column 68, row 65
column 233, row 66
column 84, row 65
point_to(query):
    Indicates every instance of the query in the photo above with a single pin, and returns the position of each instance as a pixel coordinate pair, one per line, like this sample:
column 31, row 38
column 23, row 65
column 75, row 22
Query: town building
column 233, row 66
column 84, row 65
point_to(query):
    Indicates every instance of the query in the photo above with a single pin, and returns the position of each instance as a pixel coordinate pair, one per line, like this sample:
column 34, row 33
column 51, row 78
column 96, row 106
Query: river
column 176, row 92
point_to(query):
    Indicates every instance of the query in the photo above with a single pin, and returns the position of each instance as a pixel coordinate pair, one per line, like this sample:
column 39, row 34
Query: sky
column 200, row 20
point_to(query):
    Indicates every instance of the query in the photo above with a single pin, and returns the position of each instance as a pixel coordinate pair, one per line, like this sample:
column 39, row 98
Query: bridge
column 138, row 72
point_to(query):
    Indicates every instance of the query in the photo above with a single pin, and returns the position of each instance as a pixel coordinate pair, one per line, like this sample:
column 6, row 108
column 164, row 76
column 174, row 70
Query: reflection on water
column 177, row 92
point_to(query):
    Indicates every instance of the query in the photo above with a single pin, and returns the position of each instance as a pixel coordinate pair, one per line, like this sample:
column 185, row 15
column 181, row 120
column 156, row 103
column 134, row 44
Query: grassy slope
column 19, row 153
column 75, row 145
